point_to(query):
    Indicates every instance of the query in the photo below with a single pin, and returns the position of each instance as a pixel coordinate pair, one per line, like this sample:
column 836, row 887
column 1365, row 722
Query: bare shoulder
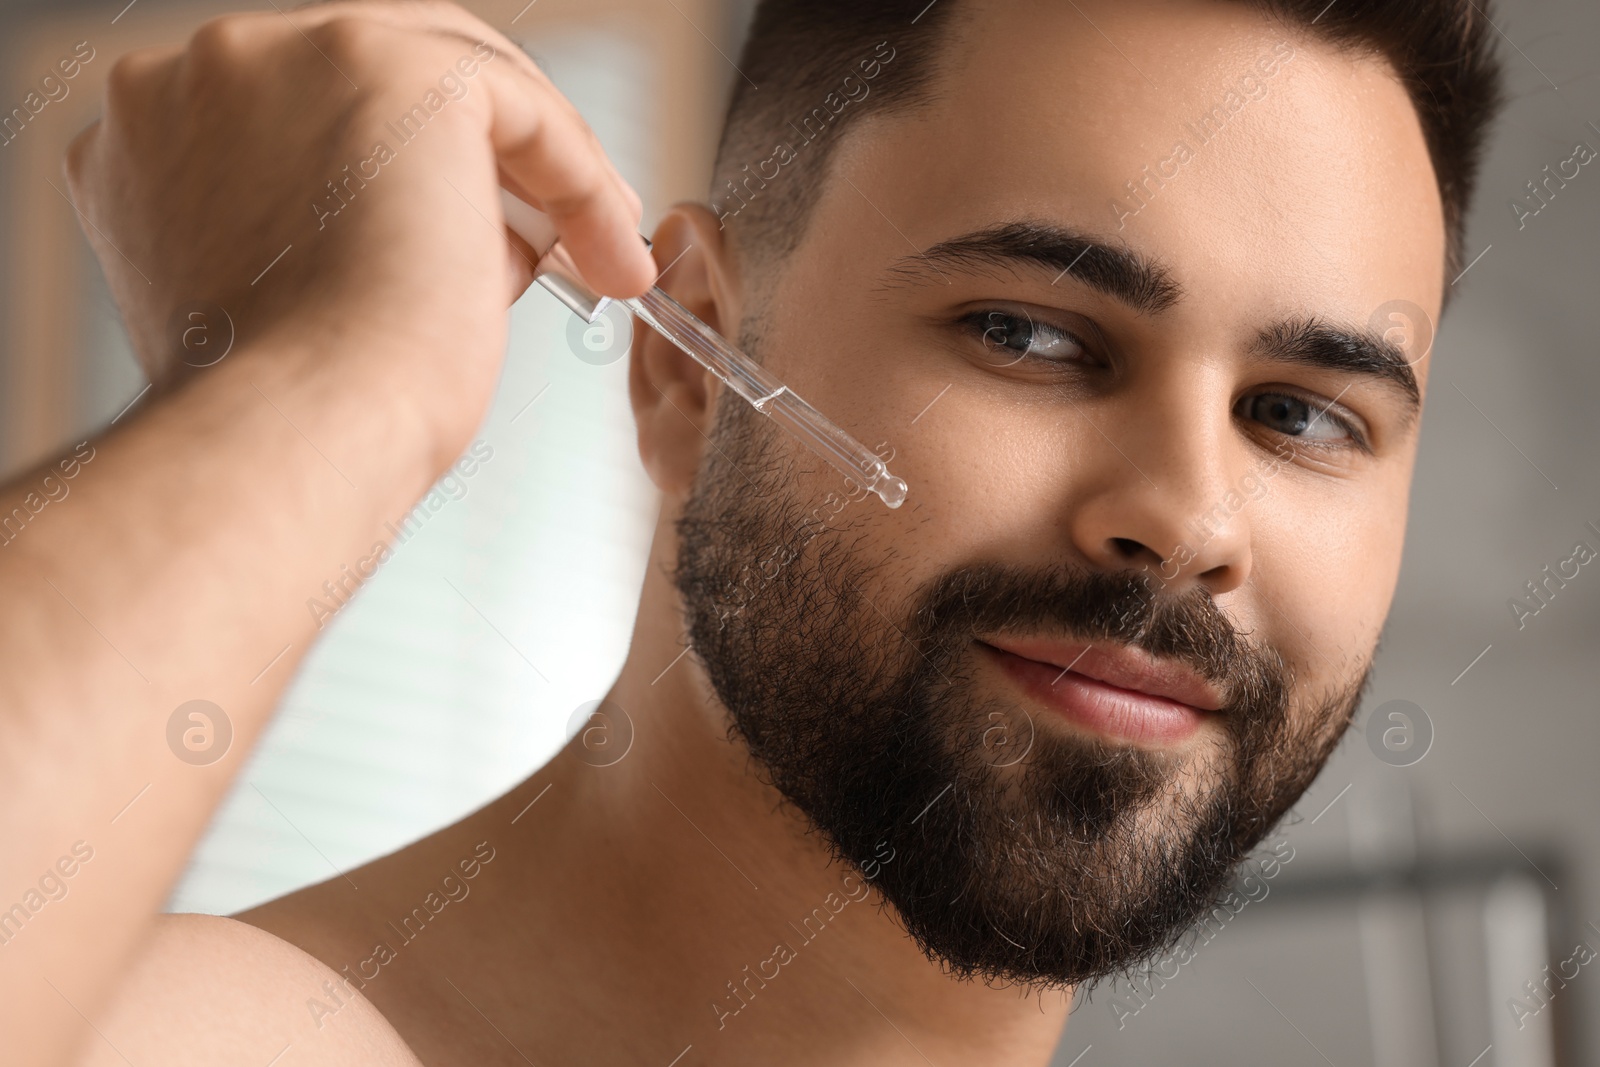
column 208, row 990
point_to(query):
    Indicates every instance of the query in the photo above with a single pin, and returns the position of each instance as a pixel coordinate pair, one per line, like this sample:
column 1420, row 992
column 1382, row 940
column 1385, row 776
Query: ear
column 673, row 396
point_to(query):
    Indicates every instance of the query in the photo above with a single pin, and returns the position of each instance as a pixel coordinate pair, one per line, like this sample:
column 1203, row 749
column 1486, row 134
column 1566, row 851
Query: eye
column 1009, row 337
column 1295, row 416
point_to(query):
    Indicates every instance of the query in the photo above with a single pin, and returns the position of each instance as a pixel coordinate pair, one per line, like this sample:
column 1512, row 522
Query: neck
column 674, row 885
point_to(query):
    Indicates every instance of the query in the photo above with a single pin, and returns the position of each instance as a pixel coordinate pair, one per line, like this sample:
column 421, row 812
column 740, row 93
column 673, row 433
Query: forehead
column 1269, row 171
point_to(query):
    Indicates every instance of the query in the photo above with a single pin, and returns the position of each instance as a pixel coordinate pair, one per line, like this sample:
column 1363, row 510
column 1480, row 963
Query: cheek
column 963, row 455
column 1325, row 560
column 987, row 481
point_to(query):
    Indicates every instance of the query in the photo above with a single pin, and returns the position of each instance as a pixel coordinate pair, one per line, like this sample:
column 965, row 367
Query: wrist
column 368, row 429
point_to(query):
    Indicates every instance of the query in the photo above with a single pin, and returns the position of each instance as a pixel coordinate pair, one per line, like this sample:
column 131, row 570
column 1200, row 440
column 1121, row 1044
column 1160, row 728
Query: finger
column 543, row 143
column 635, row 204
column 437, row 17
column 550, row 153
column 520, row 260
column 79, row 152
column 135, row 77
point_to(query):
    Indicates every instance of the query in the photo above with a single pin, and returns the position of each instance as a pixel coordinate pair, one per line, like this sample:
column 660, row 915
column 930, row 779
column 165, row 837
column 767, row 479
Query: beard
column 1022, row 852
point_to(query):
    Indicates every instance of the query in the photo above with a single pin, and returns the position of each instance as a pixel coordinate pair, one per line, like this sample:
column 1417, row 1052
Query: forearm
column 177, row 567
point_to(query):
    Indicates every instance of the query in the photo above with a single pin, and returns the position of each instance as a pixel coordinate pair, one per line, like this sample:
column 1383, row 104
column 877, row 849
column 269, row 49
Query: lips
column 1118, row 691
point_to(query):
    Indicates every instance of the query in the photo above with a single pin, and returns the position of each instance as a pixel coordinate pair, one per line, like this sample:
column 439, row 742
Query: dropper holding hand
column 556, row 272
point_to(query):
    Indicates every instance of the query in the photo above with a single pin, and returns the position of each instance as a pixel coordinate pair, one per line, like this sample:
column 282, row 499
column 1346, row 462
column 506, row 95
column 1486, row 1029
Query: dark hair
column 803, row 55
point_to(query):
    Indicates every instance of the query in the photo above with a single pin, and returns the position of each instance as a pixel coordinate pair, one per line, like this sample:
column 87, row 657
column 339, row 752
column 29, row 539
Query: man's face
column 1109, row 298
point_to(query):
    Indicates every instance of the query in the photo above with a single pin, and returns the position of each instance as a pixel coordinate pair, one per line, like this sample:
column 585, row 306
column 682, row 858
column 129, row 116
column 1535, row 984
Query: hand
column 329, row 179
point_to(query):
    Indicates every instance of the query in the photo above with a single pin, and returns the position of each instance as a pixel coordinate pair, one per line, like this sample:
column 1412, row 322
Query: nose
column 1167, row 490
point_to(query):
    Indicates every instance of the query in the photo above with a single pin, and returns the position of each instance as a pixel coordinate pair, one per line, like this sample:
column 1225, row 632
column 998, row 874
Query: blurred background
column 1436, row 896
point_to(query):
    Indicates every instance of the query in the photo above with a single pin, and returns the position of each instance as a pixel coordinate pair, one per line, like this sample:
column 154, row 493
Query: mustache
column 1123, row 607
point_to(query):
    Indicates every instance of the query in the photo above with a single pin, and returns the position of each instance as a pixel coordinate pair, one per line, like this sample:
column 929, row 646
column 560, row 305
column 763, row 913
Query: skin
column 618, row 906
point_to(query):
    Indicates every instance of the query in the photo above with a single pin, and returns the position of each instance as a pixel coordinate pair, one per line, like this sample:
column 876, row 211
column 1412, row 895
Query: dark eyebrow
column 1312, row 342
column 1147, row 285
column 1142, row 283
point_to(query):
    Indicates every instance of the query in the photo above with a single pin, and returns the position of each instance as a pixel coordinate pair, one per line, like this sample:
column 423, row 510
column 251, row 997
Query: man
column 1110, row 281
